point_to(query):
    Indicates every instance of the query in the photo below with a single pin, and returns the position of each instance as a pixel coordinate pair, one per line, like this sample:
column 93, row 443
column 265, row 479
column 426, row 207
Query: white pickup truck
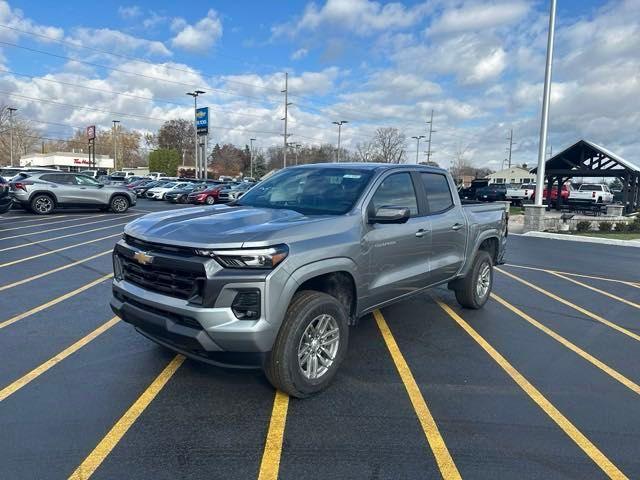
column 591, row 193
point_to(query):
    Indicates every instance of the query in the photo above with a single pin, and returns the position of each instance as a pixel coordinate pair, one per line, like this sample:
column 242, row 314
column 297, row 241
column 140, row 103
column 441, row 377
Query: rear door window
column 438, row 192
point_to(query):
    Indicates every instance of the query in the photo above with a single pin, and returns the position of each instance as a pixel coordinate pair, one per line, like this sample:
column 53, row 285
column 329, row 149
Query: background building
column 514, row 175
column 67, row 161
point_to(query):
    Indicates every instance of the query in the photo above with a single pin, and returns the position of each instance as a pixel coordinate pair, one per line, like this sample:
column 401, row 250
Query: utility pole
column 339, row 124
column 510, row 138
column 296, row 146
column 115, row 143
column 431, row 130
column 198, row 166
column 418, row 145
column 544, row 122
column 286, row 116
column 11, row 110
column 251, row 140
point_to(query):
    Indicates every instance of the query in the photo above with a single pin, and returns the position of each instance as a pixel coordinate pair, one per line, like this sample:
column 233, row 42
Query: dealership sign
column 91, row 132
column 202, row 120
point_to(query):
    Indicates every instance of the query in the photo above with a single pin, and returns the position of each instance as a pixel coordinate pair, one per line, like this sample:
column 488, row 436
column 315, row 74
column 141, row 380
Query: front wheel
column 474, row 289
column 119, row 204
column 310, row 346
column 209, row 200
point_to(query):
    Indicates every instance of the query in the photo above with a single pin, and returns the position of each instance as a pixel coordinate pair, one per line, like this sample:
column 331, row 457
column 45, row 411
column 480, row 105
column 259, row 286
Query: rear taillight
column 20, row 185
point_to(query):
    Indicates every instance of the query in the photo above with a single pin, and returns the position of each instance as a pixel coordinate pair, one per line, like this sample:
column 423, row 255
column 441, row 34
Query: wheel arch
column 44, row 192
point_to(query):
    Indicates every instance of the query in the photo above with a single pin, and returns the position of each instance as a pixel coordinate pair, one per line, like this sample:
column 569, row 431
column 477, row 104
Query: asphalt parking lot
column 541, row 383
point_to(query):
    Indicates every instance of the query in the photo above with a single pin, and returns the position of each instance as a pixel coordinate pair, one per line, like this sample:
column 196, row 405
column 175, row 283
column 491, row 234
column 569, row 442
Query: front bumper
column 203, row 327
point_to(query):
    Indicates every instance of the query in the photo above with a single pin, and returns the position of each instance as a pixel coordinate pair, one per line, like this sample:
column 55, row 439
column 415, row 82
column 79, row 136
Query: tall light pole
column 195, row 94
column 286, row 118
column 544, row 122
column 510, row 138
column 418, row 145
column 115, row 143
column 251, row 140
column 339, row 124
column 296, row 146
column 431, row 130
column 11, row 110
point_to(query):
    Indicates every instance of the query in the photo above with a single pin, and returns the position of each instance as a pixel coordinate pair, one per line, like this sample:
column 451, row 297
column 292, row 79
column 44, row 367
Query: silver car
column 44, row 191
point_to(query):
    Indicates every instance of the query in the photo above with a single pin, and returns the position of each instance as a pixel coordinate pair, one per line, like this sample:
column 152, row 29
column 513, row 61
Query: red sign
column 82, row 161
column 91, row 132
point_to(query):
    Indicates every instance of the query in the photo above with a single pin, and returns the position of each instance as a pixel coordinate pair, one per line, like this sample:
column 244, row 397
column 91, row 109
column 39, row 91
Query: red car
column 208, row 196
column 564, row 193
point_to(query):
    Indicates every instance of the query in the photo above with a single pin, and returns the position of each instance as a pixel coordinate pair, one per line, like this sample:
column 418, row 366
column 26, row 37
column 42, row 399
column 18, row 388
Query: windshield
column 310, row 191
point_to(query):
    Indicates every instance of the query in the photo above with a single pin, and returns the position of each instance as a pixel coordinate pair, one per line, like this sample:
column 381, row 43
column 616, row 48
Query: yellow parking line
column 113, row 437
column 53, row 302
column 580, row 275
column 563, row 422
column 584, row 311
column 68, row 226
column 610, row 295
column 50, row 252
column 53, row 270
column 61, row 237
column 270, row 464
column 634, row 387
column 53, row 361
column 44, row 218
column 440, row 451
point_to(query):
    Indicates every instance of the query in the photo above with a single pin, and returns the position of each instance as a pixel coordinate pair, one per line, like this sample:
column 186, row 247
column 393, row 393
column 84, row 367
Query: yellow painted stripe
column 50, row 252
column 53, row 302
column 579, row 275
column 53, row 270
column 440, row 451
column 270, row 464
column 30, row 234
column 39, row 242
column 603, row 292
column 584, row 311
column 36, row 372
column 634, row 387
column 38, row 223
column 113, row 437
column 563, row 422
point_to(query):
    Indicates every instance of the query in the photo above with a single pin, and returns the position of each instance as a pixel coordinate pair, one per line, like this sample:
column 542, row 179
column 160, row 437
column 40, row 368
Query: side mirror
column 100, row 185
column 390, row 215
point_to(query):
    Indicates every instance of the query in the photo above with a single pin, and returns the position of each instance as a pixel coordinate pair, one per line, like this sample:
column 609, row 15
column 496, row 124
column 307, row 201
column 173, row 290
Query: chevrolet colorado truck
column 275, row 278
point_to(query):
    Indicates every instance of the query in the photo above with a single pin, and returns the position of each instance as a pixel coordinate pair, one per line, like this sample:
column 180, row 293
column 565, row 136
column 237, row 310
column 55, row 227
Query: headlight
column 268, row 257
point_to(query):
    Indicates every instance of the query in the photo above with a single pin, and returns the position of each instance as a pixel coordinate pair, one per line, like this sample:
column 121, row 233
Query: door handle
column 456, row 226
column 420, row 233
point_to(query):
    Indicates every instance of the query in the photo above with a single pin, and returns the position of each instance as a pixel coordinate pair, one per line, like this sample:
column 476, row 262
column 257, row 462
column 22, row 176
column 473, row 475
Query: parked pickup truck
column 591, row 193
column 275, row 278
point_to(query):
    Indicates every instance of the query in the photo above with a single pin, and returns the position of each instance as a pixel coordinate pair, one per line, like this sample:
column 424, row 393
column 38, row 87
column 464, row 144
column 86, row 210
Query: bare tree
column 390, row 145
column 461, row 164
column 25, row 137
column 366, row 152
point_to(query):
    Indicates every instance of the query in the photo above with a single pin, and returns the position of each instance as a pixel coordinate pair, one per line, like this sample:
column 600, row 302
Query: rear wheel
column 119, row 204
column 310, row 346
column 474, row 289
column 42, row 204
column 209, row 200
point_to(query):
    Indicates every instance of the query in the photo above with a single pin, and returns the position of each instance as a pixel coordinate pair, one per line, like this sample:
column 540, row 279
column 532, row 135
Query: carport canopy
column 586, row 159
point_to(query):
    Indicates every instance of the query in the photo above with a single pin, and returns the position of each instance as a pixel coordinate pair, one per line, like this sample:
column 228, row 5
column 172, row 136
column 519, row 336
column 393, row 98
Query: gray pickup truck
column 276, row 278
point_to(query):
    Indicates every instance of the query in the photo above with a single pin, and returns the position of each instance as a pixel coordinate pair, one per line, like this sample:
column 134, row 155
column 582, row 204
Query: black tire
column 42, row 204
column 282, row 367
column 209, row 200
column 467, row 291
column 119, row 204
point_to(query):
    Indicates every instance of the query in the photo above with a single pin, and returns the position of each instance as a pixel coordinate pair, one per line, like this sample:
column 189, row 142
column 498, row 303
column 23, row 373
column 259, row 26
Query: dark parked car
column 5, row 197
column 141, row 189
column 181, row 195
column 471, row 192
column 492, row 193
column 209, row 195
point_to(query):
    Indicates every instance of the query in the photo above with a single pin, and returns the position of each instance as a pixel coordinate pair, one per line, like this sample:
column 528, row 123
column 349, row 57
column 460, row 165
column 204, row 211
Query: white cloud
column 15, row 18
column 478, row 17
column 199, row 37
column 129, row 12
column 299, row 54
column 117, row 41
column 363, row 17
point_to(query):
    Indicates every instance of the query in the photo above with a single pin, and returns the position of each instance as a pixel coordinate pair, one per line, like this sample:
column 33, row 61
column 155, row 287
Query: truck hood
column 222, row 226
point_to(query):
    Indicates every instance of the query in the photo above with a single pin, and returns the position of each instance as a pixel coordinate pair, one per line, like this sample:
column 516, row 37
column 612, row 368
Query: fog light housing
column 246, row 304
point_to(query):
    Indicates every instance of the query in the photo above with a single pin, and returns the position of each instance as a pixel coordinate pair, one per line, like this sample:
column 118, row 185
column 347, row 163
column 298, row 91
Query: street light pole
column 544, row 122
column 11, row 110
column 251, row 140
column 339, row 124
column 115, row 143
column 198, row 166
column 418, row 145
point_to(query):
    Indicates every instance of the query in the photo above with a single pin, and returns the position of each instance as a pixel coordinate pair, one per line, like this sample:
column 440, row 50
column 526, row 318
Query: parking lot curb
column 580, row 238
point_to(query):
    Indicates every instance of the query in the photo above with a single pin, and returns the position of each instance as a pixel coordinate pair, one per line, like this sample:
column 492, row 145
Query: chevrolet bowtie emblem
column 143, row 258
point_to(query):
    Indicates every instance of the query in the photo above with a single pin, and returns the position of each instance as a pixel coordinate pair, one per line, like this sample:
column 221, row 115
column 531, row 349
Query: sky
column 479, row 65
